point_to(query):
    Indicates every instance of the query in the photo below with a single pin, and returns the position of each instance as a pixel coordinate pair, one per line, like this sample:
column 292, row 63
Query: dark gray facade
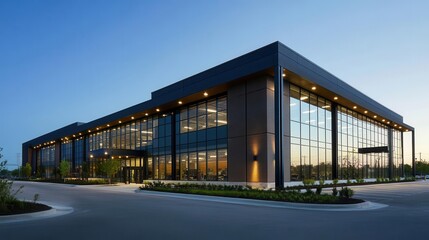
column 258, row 120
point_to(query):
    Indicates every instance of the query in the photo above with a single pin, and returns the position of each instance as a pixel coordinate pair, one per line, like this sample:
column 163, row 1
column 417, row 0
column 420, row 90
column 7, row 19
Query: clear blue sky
column 68, row 61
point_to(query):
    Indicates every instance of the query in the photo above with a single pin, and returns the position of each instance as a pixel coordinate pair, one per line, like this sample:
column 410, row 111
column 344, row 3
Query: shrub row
column 247, row 192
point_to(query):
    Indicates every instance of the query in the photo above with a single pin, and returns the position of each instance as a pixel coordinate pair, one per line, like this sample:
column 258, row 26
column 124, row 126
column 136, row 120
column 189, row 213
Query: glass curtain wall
column 46, row 162
column 201, row 141
column 398, row 161
column 311, row 143
column 358, row 131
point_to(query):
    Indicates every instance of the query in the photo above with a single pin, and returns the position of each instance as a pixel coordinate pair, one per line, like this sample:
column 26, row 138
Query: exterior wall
column 251, row 131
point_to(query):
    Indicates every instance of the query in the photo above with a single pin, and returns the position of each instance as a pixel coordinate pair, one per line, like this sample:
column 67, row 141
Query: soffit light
column 205, row 94
column 313, row 88
column 180, row 102
column 157, row 110
column 335, row 98
column 284, row 75
column 375, row 116
column 366, row 111
column 132, row 118
column 98, row 128
column 108, row 125
column 388, row 122
column 354, row 107
column 120, row 121
column 146, row 114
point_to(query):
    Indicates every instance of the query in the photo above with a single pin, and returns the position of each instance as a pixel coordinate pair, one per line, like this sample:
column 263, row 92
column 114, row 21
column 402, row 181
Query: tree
column 422, row 168
column 85, row 170
column 64, row 169
column 110, row 167
column 26, row 170
column 408, row 170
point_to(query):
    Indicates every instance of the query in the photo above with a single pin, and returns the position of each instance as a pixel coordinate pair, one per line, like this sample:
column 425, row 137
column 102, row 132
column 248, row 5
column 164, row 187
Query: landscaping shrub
column 245, row 192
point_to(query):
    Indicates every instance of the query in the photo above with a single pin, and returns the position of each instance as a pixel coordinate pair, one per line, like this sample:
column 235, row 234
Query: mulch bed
column 29, row 207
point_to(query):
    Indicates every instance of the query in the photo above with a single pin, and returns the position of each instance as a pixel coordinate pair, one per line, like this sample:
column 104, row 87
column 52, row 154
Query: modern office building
column 265, row 118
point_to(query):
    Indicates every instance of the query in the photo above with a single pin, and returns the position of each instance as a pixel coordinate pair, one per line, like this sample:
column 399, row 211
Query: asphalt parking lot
column 121, row 212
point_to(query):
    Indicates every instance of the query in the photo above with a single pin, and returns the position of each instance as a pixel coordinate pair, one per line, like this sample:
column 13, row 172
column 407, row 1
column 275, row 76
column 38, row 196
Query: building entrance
column 132, row 174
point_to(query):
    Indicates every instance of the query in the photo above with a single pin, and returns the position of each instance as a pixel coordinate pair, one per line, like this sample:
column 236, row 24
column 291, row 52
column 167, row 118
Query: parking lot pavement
column 118, row 212
column 391, row 192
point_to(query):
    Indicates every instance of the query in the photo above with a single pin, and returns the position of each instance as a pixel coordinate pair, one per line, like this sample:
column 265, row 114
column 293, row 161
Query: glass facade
column 398, row 160
column 311, row 143
column 46, row 161
column 189, row 143
column 201, row 141
column 358, row 131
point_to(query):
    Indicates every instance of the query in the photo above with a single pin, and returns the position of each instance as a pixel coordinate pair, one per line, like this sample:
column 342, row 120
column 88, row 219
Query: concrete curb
column 56, row 211
column 365, row 206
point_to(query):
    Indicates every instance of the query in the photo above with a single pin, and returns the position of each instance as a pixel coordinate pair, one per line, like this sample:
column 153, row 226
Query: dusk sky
column 75, row 61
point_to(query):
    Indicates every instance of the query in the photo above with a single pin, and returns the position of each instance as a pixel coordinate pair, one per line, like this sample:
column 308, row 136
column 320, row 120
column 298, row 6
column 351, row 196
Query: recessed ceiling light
column 180, row 102
column 375, row 116
column 98, row 128
column 108, row 125
column 205, row 94
column 354, row 107
column 157, row 109
column 388, row 122
column 335, row 98
column 400, row 127
column 313, row 88
column 120, row 121
column 383, row 120
column 366, row 111
column 146, row 114
column 395, row 125
column 89, row 130
column 132, row 117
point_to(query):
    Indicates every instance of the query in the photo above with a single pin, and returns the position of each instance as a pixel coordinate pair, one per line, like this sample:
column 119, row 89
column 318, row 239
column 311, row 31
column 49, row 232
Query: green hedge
column 247, row 192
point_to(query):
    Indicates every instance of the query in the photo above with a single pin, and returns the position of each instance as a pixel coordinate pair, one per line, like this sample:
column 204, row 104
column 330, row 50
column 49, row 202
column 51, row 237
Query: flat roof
column 261, row 60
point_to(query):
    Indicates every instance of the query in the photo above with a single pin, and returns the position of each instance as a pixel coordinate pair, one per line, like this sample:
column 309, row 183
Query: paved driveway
column 120, row 213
